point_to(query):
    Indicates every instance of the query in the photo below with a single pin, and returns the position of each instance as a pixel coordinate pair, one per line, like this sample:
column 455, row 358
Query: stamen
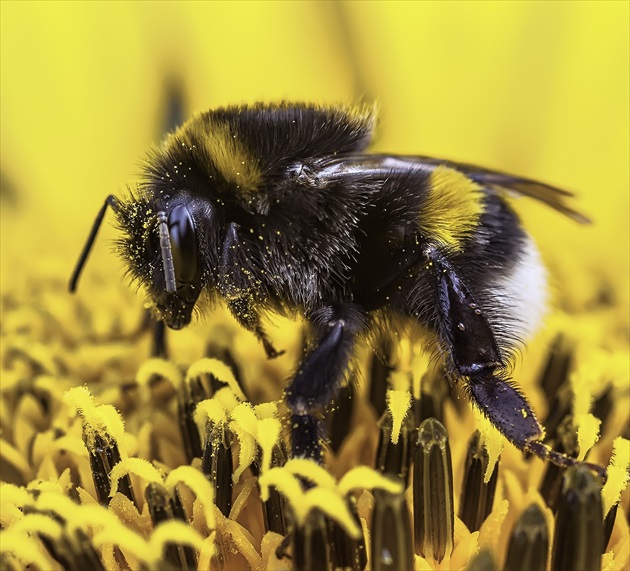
column 50, row 532
column 394, row 459
column 244, row 425
column 603, row 406
column 434, row 512
column 551, row 483
column 137, row 466
column 196, row 483
column 579, row 533
column 391, row 542
column 71, row 547
column 191, row 392
column 166, row 506
column 477, row 497
column 274, row 506
column 559, row 363
column 86, row 554
column 434, row 391
column 217, row 464
column 175, row 533
column 310, row 543
column 24, row 548
column 223, row 354
column 609, row 523
column 529, row 542
column 218, row 372
column 347, row 552
column 157, row 368
column 483, row 561
column 559, row 409
column 103, row 428
column 398, row 404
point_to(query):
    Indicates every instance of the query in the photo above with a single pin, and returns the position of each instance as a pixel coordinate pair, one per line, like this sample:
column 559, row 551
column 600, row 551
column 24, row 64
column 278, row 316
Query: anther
column 217, row 464
column 310, row 543
column 394, row 459
column 579, row 532
column 190, row 394
column 529, row 542
column 346, row 552
column 164, row 506
column 477, row 497
column 274, row 508
column 557, row 367
column 391, row 541
column 483, row 561
column 104, row 455
column 551, row 484
column 434, row 512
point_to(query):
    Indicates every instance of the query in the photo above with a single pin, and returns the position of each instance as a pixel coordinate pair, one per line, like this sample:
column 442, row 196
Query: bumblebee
column 280, row 208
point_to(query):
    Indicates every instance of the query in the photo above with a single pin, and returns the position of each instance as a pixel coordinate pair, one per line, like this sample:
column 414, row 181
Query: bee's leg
column 243, row 309
column 158, row 342
column 148, row 322
column 318, row 379
column 475, row 355
column 238, row 292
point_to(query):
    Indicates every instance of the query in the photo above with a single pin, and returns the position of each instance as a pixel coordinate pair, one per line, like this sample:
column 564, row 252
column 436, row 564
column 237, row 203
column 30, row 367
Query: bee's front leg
column 319, row 377
column 243, row 308
column 238, row 291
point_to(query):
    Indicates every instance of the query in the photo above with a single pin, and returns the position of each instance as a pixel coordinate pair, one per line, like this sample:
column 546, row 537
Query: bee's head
column 162, row 251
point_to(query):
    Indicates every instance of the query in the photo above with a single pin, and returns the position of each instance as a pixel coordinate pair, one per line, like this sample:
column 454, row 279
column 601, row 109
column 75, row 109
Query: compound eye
column 184, row 245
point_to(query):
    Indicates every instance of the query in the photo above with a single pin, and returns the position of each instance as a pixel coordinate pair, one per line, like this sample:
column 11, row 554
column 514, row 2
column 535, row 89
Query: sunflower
column 122, row 447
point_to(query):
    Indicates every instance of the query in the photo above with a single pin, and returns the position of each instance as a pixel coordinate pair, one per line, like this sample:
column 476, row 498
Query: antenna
column 167, row 253
column 111, row 202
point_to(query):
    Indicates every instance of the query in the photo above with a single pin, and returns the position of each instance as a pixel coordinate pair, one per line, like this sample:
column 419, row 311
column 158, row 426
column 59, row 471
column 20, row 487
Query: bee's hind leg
column 476, row 357
column 319, row 377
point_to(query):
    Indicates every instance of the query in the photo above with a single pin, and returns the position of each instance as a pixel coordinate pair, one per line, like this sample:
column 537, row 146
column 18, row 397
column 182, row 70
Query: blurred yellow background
column 536, row 88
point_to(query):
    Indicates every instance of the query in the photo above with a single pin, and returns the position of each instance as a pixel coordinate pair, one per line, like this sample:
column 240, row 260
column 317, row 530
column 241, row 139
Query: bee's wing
column 501, row 182
column 496, row 181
